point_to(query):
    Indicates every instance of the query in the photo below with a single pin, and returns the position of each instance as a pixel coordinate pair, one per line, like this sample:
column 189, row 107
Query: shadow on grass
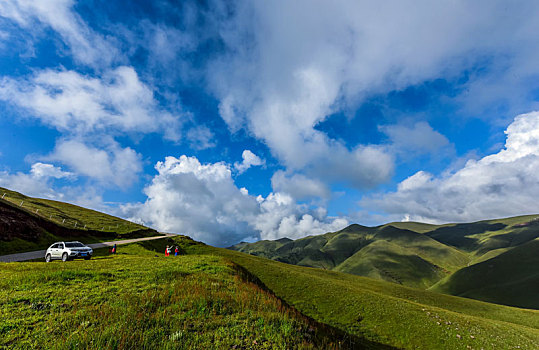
column 324, row 335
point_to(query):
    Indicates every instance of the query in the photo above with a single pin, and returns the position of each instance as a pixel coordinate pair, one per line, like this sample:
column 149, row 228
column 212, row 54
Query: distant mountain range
column 494, row 260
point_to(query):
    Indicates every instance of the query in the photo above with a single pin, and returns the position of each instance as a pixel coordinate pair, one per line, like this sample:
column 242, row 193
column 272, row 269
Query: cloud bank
column 202, row 201
column 499, row 185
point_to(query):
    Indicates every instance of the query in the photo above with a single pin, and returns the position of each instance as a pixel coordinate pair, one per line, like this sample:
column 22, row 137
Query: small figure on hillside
column 167, row 250
column 176, row 251
column 114, row 249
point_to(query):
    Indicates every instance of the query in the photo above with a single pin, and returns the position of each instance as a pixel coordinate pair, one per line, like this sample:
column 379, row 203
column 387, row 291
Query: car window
column 74, row 245
column 60, row 246
column 54, row 246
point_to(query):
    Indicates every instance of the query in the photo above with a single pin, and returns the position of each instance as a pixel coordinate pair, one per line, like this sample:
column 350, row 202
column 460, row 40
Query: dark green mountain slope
column 417, row 255
column 511, row 278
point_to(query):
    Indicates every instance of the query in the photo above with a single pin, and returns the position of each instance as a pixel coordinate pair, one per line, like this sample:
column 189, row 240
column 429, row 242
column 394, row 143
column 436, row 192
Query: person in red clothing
column 176, row 251
column 167, row 251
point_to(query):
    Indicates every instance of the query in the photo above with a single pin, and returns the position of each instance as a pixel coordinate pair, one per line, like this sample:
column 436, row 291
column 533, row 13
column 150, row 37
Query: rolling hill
column 212, row 297
column 423, row 255
column 28, row 223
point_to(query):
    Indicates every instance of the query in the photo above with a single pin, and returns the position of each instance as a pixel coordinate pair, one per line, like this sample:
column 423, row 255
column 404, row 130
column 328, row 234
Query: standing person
column 167, row 251
column 114, row 249
column 176, row 251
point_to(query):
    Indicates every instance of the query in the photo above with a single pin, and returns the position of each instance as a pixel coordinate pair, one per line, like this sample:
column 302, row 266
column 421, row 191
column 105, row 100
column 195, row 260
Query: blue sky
column 249, row 120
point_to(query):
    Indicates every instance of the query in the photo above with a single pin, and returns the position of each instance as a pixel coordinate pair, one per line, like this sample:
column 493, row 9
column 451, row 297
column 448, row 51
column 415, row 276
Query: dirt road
column 41, row 253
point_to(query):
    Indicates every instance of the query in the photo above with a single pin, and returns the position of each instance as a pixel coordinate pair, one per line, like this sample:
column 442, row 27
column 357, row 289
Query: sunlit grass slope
column 392, row 314
column 28, row 223
column 511, row 278
column 65, row 214
column 140, row 299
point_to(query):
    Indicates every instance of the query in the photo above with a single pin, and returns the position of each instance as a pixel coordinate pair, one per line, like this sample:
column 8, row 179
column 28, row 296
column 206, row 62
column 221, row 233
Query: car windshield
column 74, row 245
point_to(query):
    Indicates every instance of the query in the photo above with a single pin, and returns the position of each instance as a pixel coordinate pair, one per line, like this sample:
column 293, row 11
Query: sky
column 239, row 120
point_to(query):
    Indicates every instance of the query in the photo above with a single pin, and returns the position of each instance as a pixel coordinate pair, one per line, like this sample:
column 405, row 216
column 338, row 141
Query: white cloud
column 41, row 170
column 249, row 159
column 36, row 183
column 109, row 164
column 86, row 46
column 202, row 201
column 419, row 138
column 287, row 69
column 75, row 103
column 299, row 186
column 499, row 185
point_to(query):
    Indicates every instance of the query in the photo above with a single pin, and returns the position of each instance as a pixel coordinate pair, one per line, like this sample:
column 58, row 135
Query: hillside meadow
column 140, row 299
column 216, row 298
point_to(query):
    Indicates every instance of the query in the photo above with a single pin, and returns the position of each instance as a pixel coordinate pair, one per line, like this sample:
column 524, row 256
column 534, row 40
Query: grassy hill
column 415, row 254
column 511, row 278
column 138, row 299
column 28, row 223
column 392, row 314
column 218, row 298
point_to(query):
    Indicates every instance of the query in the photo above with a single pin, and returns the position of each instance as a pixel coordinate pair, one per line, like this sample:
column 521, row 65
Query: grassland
column 218, row 298
column 38, row 222
column 426, row 256
column 511, row 278
column 392, row 314
column 69, row 215
column 140, row 299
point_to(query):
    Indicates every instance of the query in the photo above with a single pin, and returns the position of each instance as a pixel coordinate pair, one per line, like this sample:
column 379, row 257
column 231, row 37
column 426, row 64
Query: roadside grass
column 140, row 299
column 392, row 314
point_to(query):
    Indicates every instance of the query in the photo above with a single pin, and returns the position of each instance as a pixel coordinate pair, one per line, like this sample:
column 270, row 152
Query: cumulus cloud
column 203, row 201
column 110, row 164
column 499, row 185
column 42, row 170
column 38, row 182
column 86, row 45
column 75, row 103
column 249, row 159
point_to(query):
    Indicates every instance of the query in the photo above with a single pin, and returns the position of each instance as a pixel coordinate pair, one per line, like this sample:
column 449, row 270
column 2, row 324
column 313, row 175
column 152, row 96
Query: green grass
column 394, row 315
column 386, row 252
column 203, row 299
column 511, row 278
column 140, row 299
column 422, row 255
column 39, row 222
column 67, row 215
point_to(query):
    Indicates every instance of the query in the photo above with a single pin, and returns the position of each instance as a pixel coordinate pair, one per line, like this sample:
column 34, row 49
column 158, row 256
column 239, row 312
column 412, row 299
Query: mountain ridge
column 419, row 255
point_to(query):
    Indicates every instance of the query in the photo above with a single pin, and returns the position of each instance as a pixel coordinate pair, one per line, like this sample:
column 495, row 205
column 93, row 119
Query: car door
column 52, row 250
column 60, row 250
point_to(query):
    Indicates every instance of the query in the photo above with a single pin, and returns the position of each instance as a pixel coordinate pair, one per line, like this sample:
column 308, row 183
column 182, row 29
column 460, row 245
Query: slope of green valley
column 511, row 278
column 28, row 223
column 420, row 255
column 217, row 298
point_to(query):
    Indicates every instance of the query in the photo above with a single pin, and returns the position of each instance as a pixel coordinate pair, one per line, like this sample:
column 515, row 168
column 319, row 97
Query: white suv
column 68, row 251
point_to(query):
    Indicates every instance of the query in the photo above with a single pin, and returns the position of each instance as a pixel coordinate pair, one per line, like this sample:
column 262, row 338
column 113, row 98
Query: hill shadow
column 456, row 235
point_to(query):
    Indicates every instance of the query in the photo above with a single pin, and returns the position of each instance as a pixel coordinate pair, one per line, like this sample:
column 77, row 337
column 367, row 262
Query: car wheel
column 65, row 257
column 48, row 258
